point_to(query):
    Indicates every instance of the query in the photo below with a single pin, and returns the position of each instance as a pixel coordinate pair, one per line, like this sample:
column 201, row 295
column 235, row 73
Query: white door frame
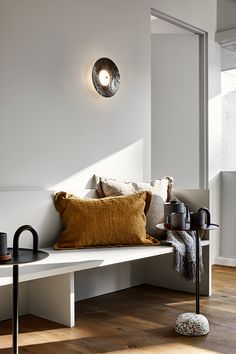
column 203, row 92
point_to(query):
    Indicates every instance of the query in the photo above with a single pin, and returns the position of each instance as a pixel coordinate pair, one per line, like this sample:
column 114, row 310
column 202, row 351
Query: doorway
column 179, row 101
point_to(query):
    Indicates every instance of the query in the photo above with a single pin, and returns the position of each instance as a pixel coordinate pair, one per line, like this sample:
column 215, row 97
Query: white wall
column 228, row 226
column 226, row 15
column 161, row 26
column 175, row 108
column 53, row 124
column 229, row 128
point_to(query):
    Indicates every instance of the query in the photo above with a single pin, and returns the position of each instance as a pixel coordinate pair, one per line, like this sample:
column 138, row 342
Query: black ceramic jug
column 200, row 219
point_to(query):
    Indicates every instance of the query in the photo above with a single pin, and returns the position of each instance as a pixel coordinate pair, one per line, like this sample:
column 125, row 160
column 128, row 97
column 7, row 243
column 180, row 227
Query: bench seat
column 66, row 261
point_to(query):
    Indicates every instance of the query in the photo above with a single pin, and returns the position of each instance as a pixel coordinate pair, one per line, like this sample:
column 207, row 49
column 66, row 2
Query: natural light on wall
column 228, row 93
column 125, row 164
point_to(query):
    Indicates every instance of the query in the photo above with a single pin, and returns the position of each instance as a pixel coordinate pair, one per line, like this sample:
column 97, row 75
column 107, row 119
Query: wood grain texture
column 137, row 320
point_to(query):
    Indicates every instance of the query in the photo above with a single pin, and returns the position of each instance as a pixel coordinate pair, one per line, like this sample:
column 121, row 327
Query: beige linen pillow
column 103, row 222
column 161, row 190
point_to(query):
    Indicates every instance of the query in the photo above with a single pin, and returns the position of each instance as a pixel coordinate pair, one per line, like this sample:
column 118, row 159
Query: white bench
column 50, row 287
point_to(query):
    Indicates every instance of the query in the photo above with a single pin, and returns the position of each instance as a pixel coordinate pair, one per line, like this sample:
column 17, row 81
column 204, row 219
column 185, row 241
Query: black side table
column 192, row 324
column 21, row 256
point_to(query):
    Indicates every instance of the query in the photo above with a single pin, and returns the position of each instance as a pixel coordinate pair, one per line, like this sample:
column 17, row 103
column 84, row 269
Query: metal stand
column 192, row 324
column 197, row 275
column 15, row 322
column 21, row 256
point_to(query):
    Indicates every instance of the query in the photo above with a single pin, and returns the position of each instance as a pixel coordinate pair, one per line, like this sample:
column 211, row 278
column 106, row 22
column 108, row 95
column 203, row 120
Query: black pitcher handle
column 17, row 235
column 208, row 219
column 186, row 211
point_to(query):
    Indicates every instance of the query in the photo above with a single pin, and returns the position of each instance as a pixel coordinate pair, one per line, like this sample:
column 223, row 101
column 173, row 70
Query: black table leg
column 197, row 275
column 15, row 324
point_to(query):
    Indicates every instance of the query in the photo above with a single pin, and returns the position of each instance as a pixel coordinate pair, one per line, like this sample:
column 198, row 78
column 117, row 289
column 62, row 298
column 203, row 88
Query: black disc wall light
column 106, row 77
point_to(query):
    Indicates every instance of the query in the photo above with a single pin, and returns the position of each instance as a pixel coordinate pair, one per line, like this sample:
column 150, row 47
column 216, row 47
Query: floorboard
column 138, row 320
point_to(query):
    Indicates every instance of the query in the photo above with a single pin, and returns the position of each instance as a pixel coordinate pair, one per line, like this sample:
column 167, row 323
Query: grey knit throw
column 184, row 245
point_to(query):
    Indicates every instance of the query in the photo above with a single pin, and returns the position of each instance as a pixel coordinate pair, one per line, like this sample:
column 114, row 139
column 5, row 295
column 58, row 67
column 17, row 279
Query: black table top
column 25, row 255
column 188, row 228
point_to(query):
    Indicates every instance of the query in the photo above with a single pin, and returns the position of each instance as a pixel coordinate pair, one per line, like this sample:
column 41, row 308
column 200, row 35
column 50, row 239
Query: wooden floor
column 138, row 320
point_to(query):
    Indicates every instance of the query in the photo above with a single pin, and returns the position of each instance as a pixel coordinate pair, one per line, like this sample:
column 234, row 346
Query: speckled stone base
column 192, row 325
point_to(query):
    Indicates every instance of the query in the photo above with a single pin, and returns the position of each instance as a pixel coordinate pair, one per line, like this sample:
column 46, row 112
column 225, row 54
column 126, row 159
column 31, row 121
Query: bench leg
column 52, row 298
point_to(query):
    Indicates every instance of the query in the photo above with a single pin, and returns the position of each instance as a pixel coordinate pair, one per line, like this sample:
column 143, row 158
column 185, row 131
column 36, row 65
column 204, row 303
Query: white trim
column 203, row 92
column 226, row 261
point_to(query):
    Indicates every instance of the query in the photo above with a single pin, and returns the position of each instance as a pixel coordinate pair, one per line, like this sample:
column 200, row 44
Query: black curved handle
column 17, row 235
column 186, row 211
column 208, row 220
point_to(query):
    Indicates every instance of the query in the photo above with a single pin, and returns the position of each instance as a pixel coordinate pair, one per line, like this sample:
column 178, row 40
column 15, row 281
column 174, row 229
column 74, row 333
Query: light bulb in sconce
column 104, row 77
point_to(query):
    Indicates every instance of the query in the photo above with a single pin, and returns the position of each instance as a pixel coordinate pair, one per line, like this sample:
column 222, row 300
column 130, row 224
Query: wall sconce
column 106, row 77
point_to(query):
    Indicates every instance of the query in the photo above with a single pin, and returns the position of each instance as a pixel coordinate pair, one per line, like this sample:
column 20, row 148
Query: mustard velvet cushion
column 103, row 222
column 161, row 190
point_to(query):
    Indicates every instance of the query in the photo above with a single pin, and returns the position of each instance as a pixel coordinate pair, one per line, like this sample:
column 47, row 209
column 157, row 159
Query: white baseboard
column 226, row 261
